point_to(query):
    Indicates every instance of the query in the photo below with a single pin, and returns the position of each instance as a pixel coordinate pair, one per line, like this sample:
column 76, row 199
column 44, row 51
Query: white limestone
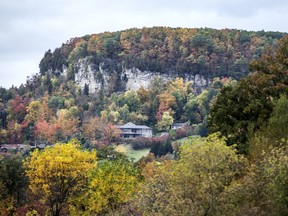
column 96, row 77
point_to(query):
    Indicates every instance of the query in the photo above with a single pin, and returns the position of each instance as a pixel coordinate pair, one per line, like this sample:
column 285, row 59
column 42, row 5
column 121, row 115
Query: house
column 175, row 126
column 131, row 131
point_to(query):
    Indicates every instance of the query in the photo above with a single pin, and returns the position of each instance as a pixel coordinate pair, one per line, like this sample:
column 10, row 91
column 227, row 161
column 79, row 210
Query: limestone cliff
column 117, row 61
column 99, row 78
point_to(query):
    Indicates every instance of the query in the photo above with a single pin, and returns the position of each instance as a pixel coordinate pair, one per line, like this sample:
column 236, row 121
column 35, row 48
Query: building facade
column 176, row 126
column 132, row 131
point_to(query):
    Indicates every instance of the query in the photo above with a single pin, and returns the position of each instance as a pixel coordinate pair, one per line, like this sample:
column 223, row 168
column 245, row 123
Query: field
column 132, row 154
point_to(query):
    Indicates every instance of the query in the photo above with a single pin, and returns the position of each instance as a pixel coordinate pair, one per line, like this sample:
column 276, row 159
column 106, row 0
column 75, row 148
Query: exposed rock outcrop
column 96, row 77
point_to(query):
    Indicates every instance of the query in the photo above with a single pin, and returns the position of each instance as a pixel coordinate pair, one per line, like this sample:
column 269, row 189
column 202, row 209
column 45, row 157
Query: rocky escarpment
column 98, row 77
column 117, row 61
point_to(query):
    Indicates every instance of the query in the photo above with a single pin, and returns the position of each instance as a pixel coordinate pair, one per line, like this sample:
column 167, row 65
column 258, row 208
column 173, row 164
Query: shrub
column 161, row 146
column 141, row 143
column 180, row 133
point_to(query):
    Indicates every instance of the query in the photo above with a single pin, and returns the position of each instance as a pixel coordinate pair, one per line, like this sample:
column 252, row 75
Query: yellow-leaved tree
column 193, row 185
column 58, row 173
column 111, row 185
column 207, row 166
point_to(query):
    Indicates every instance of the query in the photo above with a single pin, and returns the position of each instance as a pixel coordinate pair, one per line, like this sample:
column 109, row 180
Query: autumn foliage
column 241, row 170
column 58, row 174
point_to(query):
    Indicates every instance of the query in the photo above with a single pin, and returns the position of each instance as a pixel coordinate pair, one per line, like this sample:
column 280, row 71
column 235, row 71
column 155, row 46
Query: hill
column 240, row 168
column 151, row 76
column 117, row 61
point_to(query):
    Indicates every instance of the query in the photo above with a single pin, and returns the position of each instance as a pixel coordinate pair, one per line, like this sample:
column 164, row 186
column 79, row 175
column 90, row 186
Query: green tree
column 165, row 123
column 132, row 100
column 276, row 172
column 262, row 191
column 206, row 167
column 56, row 102
column 46, row 63
column 86, row 89
column 278, row 122
column 34, row 111
column 272, row 69
column 238, row 112
column 192, row 110
column 275, row 133
column 193, row 185
column 13, row 180
column 241, row 110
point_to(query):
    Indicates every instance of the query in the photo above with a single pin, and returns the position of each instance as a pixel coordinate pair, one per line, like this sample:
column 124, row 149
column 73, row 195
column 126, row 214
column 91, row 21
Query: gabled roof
column 179, row 124
column 130, row 125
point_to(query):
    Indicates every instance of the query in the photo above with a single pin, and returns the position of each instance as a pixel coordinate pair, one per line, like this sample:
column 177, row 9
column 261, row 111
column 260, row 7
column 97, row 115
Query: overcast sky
column 28, row 28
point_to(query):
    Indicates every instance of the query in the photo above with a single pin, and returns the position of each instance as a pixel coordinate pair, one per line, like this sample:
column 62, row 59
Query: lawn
column 135, row 155
column 132, row 154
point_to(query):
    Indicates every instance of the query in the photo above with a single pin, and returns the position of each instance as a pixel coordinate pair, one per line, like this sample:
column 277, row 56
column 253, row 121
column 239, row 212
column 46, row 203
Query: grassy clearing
column 132, row 154
column 135, row 155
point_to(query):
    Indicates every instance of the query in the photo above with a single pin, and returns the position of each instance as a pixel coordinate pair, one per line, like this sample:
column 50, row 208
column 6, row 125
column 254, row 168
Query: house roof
column 130, row 125
column 178, row 124
column 130, row 133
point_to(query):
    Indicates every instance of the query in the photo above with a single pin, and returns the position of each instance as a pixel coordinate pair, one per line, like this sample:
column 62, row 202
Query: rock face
column 136, row 78
column 99, row 78
column 86, row 75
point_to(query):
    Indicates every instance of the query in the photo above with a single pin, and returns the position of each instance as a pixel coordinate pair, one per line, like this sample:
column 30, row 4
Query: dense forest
column 35, row 111
column 231, row 159
column 209, row 52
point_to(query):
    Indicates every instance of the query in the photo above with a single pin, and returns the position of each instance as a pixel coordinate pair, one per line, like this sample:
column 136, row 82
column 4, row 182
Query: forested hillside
column 237, row 167
column 51, row 106
column 208, row 52
column 218, row 55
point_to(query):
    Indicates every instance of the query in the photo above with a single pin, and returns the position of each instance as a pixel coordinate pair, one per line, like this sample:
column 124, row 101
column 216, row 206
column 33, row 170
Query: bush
column 180, row 133
column 161, row 146
column 141, row 143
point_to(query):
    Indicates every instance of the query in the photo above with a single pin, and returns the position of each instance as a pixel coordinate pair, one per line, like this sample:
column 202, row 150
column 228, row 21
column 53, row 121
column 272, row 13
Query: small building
column 176, row 126
column 131, row 131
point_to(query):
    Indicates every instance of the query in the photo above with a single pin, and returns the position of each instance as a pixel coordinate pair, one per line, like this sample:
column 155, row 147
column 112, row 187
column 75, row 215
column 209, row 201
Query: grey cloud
column 233, row 8
column 28, row 28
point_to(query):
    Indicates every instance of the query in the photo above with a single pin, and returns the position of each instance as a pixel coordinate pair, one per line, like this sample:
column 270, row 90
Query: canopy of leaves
column 241, row 110
column 12, row 180
column 192, row 185
column 112, row 184
column 180, row 51
column 59, row 173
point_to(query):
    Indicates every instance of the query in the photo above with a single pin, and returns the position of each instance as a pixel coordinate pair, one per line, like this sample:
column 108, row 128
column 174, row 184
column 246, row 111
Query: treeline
column 50, row 108
column 207, row 178
column 179, row 51
column 253, row 112
column 241, row 169
column 70, row 113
